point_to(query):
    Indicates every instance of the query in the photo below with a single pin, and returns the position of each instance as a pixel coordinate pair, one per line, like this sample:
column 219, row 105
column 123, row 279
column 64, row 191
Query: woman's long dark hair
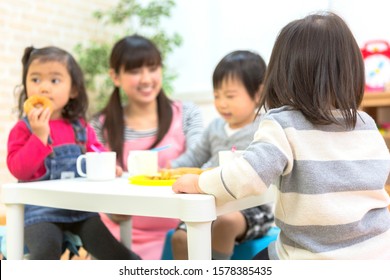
column 129, row 53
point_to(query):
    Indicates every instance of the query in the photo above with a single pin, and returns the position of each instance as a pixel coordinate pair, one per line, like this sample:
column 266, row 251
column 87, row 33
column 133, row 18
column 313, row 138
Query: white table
column 118, row 196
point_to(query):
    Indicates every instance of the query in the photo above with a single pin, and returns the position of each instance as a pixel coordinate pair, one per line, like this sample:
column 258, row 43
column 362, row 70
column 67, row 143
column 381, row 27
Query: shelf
column 377, row 105
column 387, row 140
column 376, row 99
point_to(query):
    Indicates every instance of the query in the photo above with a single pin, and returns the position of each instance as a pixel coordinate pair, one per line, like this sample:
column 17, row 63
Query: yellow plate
column 144, row 181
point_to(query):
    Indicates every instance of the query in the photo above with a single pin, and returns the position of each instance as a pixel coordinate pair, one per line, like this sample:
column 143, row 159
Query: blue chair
column 243, row 251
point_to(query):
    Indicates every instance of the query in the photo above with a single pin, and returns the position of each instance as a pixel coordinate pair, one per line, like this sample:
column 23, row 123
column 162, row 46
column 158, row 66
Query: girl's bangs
column 141, row 57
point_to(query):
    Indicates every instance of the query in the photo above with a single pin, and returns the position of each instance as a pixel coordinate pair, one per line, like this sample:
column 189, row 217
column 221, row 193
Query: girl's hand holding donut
column 38, row 111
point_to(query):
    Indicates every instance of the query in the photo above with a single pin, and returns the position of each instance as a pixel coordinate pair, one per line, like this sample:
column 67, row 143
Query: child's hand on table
column 187, row 183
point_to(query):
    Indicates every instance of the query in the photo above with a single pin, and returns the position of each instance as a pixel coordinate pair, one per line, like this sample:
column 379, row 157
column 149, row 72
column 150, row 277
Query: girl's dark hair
column 246, row 66
column 316, row 66
column 76, row 107
column 129, row 53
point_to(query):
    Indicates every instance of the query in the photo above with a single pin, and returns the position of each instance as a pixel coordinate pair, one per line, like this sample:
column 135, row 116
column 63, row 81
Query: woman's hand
column 187, row 183
column 39, row 122
column 117, row 218
column 118, row 171
column 168, row 165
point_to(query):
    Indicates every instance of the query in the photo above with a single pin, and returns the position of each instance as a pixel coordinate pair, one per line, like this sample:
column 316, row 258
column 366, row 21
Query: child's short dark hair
column 77, row 107
column 316, row 66
column 246, row 66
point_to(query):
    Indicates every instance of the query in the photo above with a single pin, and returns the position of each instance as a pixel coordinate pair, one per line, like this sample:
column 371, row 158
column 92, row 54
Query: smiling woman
column 147, row 119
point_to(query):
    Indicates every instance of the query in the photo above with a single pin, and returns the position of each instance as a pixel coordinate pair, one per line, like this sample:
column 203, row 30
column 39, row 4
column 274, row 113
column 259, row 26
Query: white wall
column 368, row 19
column 212, row 28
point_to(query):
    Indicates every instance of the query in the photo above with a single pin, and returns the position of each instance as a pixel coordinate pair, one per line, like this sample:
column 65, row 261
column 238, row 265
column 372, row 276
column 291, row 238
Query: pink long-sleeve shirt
column 26, row 153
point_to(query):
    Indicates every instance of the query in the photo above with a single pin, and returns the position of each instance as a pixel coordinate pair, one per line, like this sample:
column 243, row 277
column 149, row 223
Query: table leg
column 125, row 233
column 199, row 240
column 15, row 231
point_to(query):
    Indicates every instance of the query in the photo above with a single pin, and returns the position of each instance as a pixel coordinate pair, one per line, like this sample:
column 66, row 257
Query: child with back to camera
column 317, row 147
column 237, row 82
column 148, row 119
column 45, row 144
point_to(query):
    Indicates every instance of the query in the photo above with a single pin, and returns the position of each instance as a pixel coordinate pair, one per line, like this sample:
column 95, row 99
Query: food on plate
column 36, row 101
column 172, row 174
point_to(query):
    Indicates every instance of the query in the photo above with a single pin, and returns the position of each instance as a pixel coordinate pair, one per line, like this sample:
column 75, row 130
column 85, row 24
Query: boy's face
column 234, row 103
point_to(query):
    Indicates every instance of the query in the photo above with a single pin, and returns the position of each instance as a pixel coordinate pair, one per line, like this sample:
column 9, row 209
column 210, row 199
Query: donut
column 37, row 101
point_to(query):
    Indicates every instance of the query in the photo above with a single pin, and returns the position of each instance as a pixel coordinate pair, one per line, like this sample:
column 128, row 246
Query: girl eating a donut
column 44, row 145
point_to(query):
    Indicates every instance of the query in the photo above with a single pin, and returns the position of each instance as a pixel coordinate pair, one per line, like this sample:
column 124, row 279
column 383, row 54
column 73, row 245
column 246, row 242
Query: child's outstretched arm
column 267, row 158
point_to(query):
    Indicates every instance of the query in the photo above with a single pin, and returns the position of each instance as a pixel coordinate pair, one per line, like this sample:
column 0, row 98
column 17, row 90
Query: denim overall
column 59, row 165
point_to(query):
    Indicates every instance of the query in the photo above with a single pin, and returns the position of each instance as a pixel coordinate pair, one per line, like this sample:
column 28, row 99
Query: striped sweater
column 331, row 202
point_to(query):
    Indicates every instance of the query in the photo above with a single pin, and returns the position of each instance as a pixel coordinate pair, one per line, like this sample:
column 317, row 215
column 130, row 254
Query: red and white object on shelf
column 376, row 55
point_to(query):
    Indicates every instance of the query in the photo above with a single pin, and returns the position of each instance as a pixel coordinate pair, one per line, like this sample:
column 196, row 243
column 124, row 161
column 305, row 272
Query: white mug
column 227, row 156
column 101, row 166
column 142, row 162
